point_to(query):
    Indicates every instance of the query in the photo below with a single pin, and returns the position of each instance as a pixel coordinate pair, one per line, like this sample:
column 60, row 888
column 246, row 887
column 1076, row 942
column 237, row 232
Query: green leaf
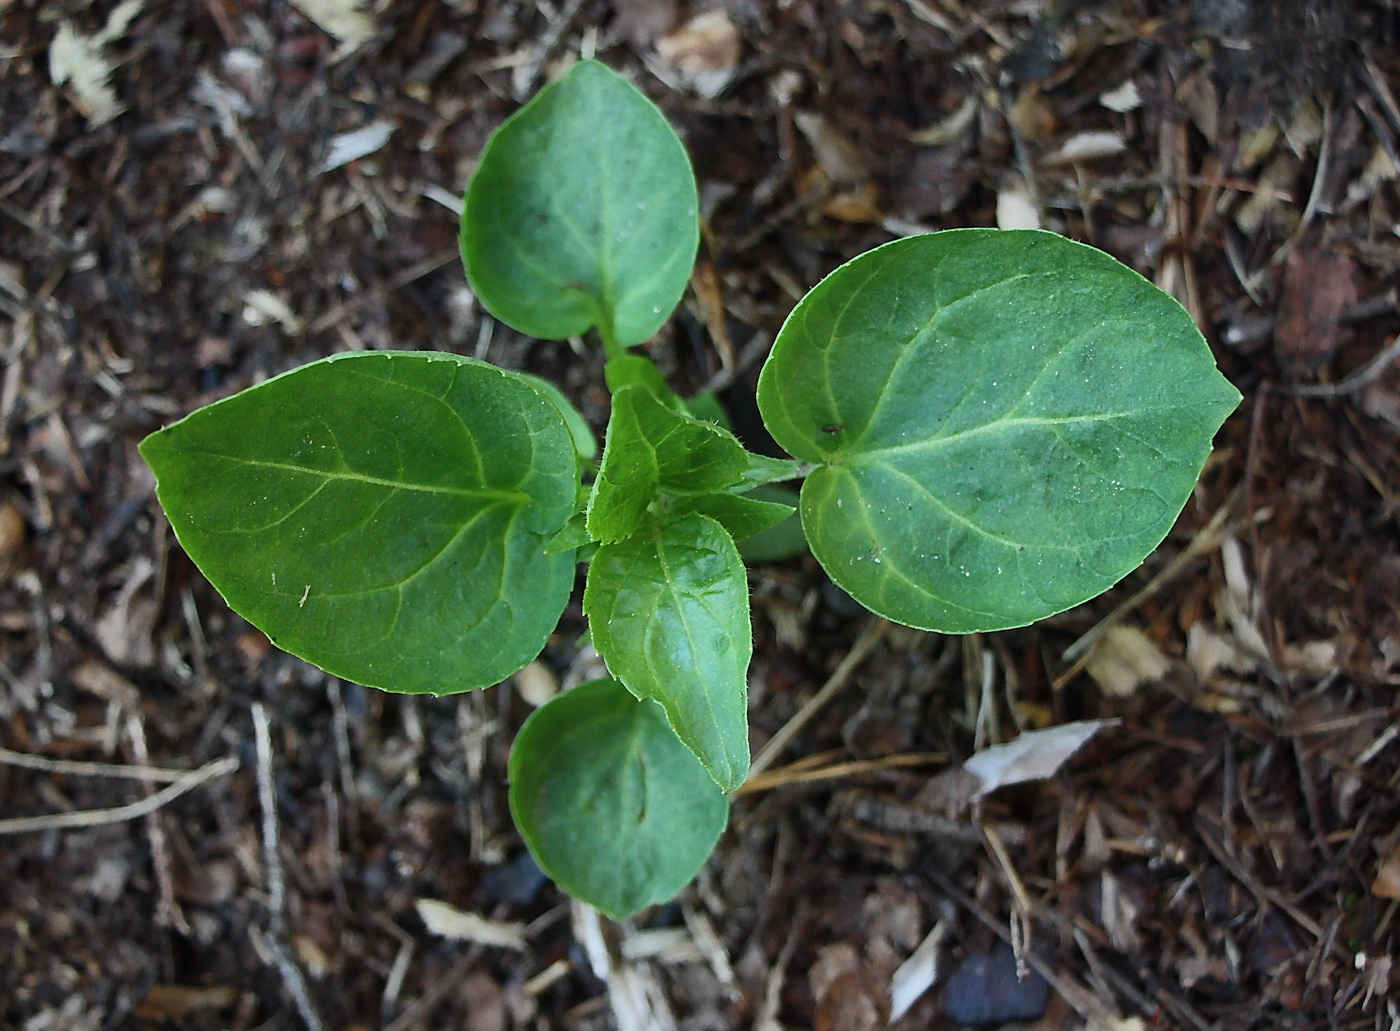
column 707, row 407
column 650, row 448
column 637, row 370
column 582, row 212
column 763, row 470
column 381, row 514
column 669, row 612
column 573, row 536
column 781, row 541
column 585, row 443
column 1006, row 424
column 610, row 803
column 741, row 515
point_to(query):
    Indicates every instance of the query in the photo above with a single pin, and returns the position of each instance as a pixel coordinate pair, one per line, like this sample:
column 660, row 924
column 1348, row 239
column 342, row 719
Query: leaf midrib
column 492, row 493
column 862, row 456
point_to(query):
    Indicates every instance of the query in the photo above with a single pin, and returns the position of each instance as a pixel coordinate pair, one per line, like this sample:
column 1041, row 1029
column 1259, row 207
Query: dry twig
column 71, row 767
column 120, row 814
column 869, row 636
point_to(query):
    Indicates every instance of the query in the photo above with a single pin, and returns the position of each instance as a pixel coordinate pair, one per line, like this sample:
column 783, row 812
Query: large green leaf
column 650, row 447
column 612, row 806
column 582, row 212
column 585, row 443
column 1005, row 422
column 381, row 514
column 669, row 611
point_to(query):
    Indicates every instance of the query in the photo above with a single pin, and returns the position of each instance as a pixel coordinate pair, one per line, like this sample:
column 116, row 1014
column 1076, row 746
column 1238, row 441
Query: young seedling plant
column 993, row 426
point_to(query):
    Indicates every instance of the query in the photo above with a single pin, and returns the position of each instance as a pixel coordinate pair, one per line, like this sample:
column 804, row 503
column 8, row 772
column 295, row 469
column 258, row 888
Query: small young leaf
column 637, row 370
column 582, row 212
column 763, row 470
column 1006, row 423
column 574, row 535
column 585, row 443
column 381, row 514
column 649, row 447
column 781, row 541
column 706, row 407
column 612, row 806
column 669, row 612
column 741, row 515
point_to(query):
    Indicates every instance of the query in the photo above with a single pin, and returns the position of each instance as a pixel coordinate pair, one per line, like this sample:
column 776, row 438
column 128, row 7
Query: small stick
column 1075, row 995
column 1362, row 377
column 869, row 636
column 393, row 984
column 800, row 773
column 437, row 992
column 90, row 769
column 1207, row 538
column 169, row 912
column 101, row 817
column 553, row 38
column 267, row 798
column 292, row 979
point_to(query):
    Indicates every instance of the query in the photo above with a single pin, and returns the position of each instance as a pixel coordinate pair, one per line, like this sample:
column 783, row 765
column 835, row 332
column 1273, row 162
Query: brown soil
column 1225, row 856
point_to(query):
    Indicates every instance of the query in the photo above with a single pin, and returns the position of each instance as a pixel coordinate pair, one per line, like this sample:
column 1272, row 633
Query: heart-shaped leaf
column 381, row 514
column 1006, row 423
column 582, row 212
column 669, row 611
column 650, row 447
column 612, row 806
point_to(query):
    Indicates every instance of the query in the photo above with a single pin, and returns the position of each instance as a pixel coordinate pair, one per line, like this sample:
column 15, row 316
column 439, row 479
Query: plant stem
column 611, row 348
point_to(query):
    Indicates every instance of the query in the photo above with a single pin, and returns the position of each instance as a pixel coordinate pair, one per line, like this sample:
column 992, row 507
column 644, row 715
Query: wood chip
column 448, row 921
column 1015, row 209
column 1122, row 98
column 77, row 61
column 263, row 306
column 344, row 19
column 358, row 143
column 835, row 154
column 1209, row 652
column 13, row 533
column 1084, row 147
column 917, row 974
column 1125, row 659
column 703, row 53
column 1387, row 882
column 179, row 1002
column 536, row 683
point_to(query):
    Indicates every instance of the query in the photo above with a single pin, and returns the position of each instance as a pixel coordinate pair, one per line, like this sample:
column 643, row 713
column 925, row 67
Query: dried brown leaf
column 1035, row 755
column 836, row 155
column 1387, row 880
column 1318, row 285
column 1125, row 659
column 13, row 534
column 178, row 1001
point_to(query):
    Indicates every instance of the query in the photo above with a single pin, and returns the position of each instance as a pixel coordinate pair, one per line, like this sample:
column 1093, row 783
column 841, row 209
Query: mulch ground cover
column 198, row 831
